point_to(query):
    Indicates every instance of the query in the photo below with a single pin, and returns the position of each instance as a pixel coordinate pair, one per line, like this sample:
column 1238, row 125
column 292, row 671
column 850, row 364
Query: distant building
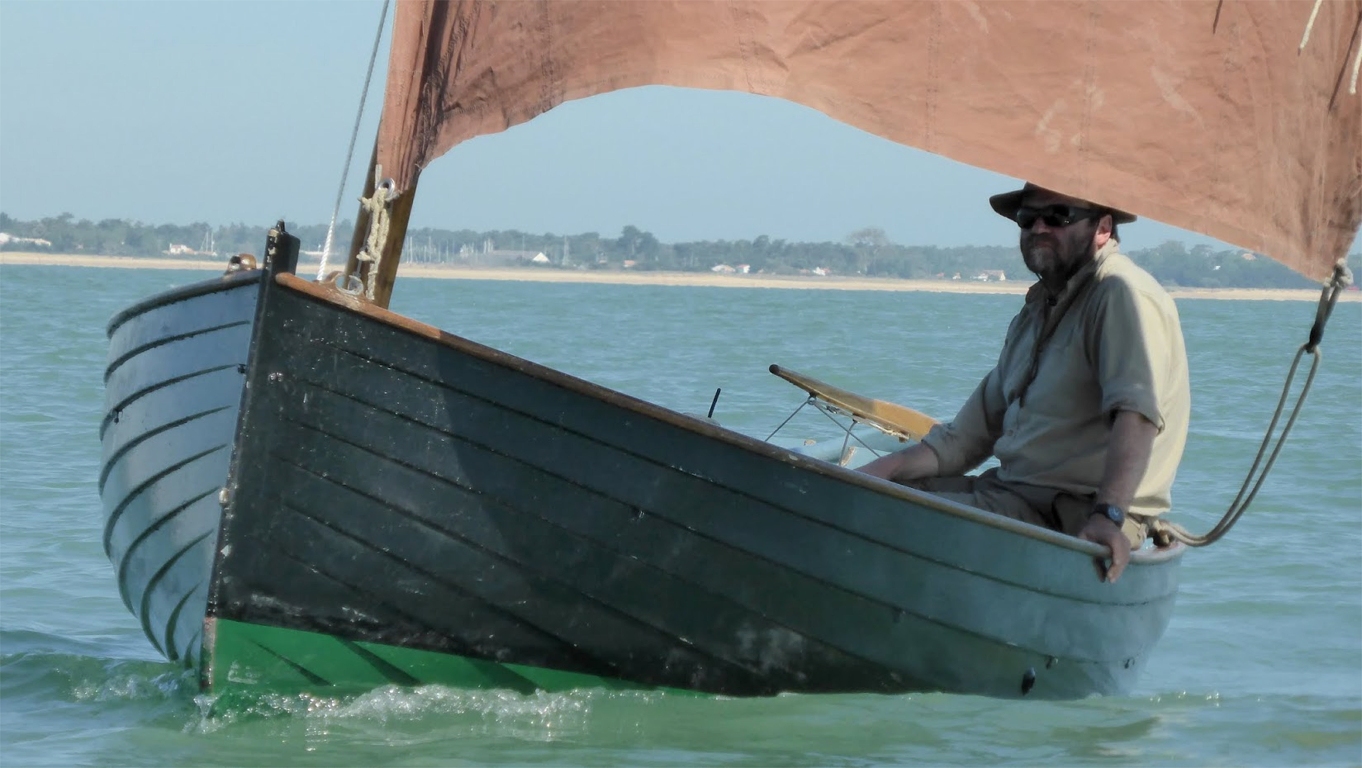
column 209, row 247
column 744, row 269
column 6, row 238
column 178, row 249
column 722, row 269
column 991, row 274
column 497, row 258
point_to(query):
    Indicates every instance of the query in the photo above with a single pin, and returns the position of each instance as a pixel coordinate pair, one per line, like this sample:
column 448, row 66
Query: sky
column 226, row 112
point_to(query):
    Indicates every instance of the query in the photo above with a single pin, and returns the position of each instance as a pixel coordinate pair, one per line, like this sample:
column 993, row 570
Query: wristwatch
column 1110, row 512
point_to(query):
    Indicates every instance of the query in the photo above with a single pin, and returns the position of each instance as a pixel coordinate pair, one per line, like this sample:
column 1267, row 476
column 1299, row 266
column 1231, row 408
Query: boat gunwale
column 227, row 281
column 329, row 294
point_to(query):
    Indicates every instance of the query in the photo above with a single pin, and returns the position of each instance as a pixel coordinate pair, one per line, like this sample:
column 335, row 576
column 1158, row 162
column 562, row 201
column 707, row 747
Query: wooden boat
column 304, row 490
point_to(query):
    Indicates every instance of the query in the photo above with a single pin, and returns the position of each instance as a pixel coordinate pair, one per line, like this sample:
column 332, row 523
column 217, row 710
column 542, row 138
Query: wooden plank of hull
column 172, row 393
column 426, row 492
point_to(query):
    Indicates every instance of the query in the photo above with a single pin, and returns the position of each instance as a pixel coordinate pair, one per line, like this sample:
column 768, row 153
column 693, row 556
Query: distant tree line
column 866, row 252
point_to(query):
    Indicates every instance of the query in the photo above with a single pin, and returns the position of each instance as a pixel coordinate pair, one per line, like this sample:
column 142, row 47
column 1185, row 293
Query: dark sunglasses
column 1054, row 216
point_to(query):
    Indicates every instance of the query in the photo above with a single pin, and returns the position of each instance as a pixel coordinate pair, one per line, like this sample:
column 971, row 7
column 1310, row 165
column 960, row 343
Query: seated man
column 1088, row 405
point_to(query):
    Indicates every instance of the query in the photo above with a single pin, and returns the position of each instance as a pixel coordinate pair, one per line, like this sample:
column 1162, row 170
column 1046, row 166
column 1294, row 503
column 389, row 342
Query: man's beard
column 1052, row 260
column 1041, row 253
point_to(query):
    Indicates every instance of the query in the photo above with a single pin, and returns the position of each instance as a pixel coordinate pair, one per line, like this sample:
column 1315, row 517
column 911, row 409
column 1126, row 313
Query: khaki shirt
column 1111, row 341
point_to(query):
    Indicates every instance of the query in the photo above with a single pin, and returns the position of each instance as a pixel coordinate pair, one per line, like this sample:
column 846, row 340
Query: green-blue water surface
column 1262, row 664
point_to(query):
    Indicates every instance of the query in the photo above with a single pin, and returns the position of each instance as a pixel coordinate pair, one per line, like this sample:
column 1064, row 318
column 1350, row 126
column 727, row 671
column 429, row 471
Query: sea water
column 1261, row 665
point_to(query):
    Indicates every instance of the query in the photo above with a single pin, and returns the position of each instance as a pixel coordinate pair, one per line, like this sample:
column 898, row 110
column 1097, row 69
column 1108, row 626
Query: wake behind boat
column 304, row 490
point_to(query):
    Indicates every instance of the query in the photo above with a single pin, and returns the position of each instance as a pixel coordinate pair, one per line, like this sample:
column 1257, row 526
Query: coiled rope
column 350, row 154
column 1164, row 531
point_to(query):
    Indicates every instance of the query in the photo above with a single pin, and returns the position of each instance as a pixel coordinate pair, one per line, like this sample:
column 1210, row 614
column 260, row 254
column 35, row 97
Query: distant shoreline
column 700, row 279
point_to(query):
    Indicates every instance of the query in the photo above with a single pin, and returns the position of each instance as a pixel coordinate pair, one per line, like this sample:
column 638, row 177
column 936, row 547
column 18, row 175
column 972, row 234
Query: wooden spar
column 398, row 217
column 392, row 247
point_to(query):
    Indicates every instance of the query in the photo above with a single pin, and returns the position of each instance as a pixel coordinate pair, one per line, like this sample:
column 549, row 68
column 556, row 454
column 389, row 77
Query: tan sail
column 1205, row 115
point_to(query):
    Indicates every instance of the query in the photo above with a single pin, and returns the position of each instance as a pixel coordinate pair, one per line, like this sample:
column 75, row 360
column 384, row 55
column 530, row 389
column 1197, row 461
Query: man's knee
column 985, row 493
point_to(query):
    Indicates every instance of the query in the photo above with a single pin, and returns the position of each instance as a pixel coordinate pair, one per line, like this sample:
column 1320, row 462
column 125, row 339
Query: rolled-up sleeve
column 1129, row 339
column 968, row 440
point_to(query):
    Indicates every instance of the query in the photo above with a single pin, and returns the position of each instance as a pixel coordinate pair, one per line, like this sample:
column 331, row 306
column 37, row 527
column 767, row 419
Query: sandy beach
column 705, row 279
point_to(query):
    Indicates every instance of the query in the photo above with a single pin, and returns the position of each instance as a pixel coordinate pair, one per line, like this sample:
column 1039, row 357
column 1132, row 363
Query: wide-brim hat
column 1007, row 204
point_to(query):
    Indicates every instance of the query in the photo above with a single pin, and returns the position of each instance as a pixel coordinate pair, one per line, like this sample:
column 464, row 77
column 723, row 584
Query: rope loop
column 1164, row 531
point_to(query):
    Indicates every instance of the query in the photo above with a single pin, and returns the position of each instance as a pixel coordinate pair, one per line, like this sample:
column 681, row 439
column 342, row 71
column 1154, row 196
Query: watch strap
column 1110, row 512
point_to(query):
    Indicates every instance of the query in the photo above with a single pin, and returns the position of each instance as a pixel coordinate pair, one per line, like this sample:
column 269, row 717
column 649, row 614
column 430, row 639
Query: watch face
column 1110, row 512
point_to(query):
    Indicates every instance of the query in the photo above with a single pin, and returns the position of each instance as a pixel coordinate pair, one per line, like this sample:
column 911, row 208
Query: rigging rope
column 350, row 154
column 1165, row 531
column 379, row 207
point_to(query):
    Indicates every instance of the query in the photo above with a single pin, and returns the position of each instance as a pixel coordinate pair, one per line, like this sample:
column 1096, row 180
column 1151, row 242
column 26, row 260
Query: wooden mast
column 391, row 253
column 392, row 247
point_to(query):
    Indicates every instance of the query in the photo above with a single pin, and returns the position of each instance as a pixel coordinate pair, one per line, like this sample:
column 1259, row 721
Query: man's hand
column 912, row 463
column 1101, row 530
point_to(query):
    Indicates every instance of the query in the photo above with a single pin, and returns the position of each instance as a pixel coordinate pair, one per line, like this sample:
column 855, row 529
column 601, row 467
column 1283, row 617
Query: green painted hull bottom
column 256, row 657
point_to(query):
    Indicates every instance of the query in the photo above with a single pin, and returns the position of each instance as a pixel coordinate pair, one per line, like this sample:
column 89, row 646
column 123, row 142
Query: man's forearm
column 1132, row 442
column 912, row 463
